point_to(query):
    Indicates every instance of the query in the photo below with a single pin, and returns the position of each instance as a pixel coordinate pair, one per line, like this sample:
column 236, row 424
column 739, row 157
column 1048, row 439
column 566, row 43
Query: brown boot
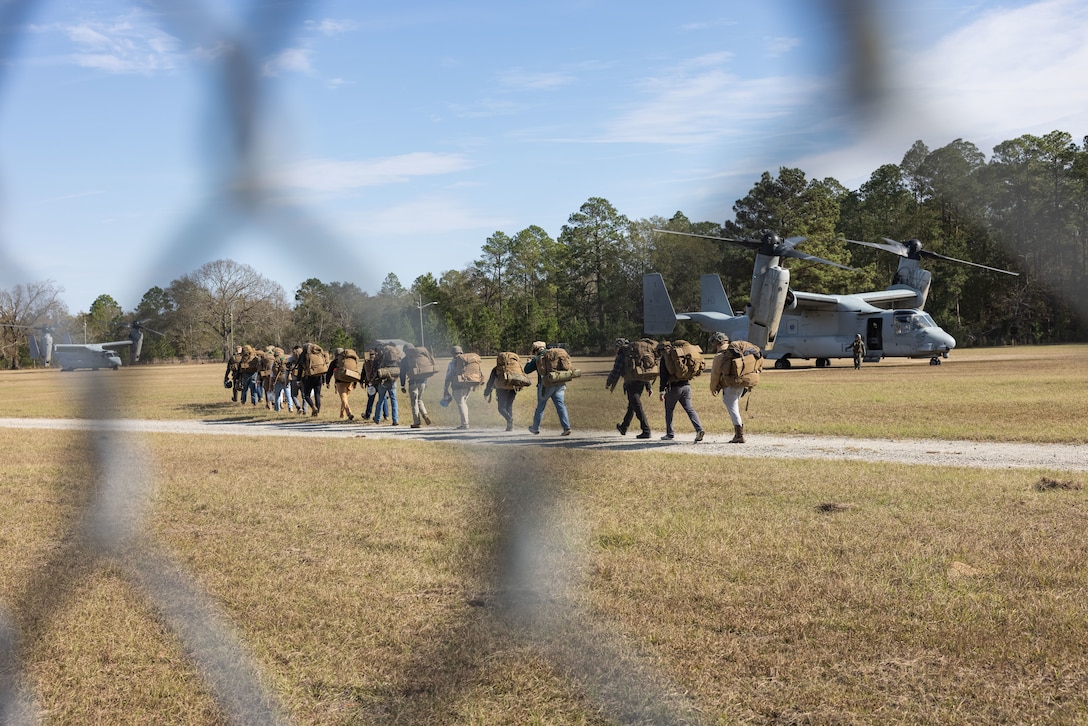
column 738, row 435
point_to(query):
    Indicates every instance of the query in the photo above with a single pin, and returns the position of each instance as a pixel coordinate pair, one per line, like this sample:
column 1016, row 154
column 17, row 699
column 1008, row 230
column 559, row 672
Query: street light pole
column 421, row 305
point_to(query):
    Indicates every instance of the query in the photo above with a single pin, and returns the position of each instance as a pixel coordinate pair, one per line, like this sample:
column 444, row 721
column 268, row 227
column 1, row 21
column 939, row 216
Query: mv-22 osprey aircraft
column 789, row 324
column 70, row 356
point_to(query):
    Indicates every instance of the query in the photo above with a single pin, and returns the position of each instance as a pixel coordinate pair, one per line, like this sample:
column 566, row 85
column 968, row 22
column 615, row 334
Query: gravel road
column 1050, row 457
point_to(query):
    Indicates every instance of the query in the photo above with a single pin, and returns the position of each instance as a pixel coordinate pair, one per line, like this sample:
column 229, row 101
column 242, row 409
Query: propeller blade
column 915, row 247
column 785, row 248
column 938, row 256
column 749, row 243
column 813, row 258
column 896, row 248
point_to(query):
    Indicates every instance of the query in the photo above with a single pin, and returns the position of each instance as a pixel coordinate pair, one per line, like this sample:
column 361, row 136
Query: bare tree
column 34, row 304
column 233, row 301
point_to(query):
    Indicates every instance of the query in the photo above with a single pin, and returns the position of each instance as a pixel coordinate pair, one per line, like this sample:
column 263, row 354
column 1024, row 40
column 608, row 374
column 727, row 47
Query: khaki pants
column 343, row 390
column 415, row 394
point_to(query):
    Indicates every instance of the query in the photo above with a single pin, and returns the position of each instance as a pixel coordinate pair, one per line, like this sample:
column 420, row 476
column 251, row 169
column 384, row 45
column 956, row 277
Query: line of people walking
column 294, row 382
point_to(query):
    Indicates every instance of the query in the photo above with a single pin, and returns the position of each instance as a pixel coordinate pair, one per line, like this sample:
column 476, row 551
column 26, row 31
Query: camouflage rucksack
column 467, row 370
column 683, row 360
column 641, row 362
column 738, row 365
column 509, row 375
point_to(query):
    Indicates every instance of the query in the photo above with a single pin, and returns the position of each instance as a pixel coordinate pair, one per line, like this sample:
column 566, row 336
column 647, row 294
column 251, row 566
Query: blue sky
column 398, row 139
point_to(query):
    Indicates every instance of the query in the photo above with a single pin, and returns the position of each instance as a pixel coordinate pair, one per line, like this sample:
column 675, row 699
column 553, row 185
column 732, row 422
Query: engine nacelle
column 916, row 278
column 770, row 292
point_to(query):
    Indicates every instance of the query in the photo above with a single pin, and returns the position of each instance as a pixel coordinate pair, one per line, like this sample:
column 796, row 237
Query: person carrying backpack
column 506, row 379
column 633, row 386
column 544, row 393
column 673, row 390
column 416, row 380
column 463, row 375
column 736, row 369
column 386, row 373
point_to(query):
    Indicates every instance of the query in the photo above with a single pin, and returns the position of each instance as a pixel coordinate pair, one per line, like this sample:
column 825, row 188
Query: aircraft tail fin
column 658, row 314
column 714, row 297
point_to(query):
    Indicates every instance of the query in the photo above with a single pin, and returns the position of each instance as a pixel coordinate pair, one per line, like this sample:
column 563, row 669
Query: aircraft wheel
column 823, row 362
column 782, row 364
column 934, row 361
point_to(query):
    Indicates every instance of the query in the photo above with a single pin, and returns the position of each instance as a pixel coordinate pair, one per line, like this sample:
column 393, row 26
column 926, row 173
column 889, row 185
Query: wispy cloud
column 701, row 101
column 293, row 60
column 1009, row 71
column 331, row 26
column 700, row 25
column 520, row 79
column 331, row 175
column 132, row 44
column 780, row 45
column 1003, row 74
column 427, row 214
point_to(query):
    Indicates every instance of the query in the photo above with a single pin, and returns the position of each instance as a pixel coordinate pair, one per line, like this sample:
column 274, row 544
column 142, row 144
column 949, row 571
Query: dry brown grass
column 372, row 581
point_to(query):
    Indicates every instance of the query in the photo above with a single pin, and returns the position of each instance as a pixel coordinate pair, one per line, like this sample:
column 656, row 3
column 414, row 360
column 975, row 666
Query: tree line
column 1025, row 209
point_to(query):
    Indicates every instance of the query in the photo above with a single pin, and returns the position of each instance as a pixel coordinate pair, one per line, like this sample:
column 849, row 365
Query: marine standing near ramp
column 859, row 350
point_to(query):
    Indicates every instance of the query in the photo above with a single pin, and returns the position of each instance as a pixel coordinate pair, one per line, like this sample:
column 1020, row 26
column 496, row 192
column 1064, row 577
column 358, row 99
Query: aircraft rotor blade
column 785, row 248
column 752, row 244
column 896, row 248
column 938, row 256
column 916, row 250
column 813, row 258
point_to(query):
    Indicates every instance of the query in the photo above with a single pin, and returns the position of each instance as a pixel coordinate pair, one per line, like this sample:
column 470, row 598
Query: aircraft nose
column 949, row 342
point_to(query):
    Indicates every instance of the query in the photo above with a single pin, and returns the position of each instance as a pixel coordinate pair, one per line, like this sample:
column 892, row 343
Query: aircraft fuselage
column 71, row 357
column 888, row 333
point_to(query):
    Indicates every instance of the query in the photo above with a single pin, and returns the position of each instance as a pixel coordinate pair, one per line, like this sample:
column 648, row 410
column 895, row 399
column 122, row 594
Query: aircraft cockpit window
column 907, row 322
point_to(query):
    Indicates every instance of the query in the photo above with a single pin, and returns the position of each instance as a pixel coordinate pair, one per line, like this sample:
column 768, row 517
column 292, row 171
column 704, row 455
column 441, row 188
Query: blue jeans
column 386, row 392
column 251, row 388
column 680, row 394
column 282, row 391
column 555, row 394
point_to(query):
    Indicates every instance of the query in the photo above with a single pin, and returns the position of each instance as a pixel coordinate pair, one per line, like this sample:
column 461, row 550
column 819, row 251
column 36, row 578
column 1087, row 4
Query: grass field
column 1035, row 394
column 385, row 581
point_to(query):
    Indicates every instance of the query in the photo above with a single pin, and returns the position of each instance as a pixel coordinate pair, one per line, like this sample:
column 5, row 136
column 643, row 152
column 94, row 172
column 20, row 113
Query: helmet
column 457, row 350
column 620, row 342
column 539, row 346
column 719, row 338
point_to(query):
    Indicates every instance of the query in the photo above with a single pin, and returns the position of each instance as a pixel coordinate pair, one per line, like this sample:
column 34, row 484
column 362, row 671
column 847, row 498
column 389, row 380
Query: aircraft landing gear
column 934, row 361
column 782, row 364
column 823, row 362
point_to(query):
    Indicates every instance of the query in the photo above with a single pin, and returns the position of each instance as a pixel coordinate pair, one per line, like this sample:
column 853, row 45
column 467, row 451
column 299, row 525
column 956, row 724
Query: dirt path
column 1051, row 457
